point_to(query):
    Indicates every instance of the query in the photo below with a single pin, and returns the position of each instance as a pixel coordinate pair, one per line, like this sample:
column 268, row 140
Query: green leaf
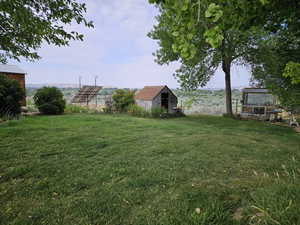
column 34, row 22
column 175, row 48
column 214, row 36
column 190, row 36
column 214, row 12
column 292, row 71
column 175, row 33
column 264, row 2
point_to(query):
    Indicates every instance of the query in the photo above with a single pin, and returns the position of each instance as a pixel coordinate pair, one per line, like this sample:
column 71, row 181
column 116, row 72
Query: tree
column 202, row 36
column 272, row 68
column 275, row 58
column 25, row 25
column 11, row 95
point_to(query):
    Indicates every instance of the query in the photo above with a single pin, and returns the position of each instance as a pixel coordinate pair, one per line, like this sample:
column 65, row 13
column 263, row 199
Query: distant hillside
column 59, row 85
column 54, row 84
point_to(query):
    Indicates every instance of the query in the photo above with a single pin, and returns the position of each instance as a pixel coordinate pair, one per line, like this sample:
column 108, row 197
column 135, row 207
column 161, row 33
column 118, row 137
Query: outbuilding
column 15, row 73
column 258, row 103
column 157, row 97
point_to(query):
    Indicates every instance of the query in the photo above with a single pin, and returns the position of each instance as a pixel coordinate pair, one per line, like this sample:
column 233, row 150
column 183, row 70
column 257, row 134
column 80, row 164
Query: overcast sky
column 117, row 50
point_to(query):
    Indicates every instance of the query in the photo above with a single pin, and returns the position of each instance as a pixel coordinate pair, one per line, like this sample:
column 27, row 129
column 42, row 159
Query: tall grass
column 135, row 110
column 72, row 108
column 278, row 203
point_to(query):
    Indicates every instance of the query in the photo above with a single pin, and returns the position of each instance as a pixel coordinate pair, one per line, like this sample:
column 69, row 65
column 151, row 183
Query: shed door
column 165, row 100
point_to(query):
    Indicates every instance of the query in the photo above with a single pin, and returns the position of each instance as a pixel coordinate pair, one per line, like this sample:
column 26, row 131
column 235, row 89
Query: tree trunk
column 226, row 66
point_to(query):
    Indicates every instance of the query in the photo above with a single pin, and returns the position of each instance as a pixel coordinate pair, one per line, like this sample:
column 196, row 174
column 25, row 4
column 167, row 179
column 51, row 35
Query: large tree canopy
column 275, row 59
column 206, row 34
column 25, row 25
column 203, row 35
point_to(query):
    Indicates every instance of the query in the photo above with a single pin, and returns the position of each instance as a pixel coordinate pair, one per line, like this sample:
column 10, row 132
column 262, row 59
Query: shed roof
column 148, row 93
column 255, row 90
column 11, row 69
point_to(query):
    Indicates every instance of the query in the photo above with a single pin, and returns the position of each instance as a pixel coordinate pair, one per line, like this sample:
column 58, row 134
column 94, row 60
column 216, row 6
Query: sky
column 117, row 51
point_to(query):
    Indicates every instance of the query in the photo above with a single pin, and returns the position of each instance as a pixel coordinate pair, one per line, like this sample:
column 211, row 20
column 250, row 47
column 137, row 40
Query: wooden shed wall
column 172, row 100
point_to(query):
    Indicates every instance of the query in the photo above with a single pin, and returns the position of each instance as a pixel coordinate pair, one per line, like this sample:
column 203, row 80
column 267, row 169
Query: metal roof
column 11, row 69
column 256, row 90
column 86, row 94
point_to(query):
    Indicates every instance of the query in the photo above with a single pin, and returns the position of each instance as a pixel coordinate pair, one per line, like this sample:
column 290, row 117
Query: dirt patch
column 31, row 114
column 238, row 214
column 297, row 129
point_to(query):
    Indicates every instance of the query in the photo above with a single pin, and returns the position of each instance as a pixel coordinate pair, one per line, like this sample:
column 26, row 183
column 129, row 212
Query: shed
column 156, row 96
column 258, row 102
column 16, row 73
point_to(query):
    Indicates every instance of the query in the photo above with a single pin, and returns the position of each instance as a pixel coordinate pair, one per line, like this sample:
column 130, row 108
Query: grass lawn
column 119, row 170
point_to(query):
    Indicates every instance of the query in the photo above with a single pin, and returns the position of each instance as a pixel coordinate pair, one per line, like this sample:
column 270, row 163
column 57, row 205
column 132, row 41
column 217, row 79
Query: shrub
column 122, row 99
column 136, row 110
column 73, row 108
column 49, row 100
column 30, row 105
column 70, row 108
column 108, row 107
column 226, row 115
column 158, row 112
column 11, row 95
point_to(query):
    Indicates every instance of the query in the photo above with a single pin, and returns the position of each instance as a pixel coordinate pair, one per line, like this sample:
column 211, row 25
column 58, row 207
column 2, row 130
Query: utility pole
column 96, row 93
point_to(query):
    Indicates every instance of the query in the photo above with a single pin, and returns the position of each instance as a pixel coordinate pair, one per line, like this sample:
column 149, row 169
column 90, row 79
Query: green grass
column 118, row 170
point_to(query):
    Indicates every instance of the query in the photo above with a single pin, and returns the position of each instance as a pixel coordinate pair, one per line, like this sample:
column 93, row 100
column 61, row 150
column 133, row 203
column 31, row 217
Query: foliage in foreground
column 117, row 169
column 50, row 101
column 11, row 95
column 33, row 22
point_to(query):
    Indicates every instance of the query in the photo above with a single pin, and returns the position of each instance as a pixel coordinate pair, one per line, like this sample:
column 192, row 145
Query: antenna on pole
column 96, row 77
column 79, row 82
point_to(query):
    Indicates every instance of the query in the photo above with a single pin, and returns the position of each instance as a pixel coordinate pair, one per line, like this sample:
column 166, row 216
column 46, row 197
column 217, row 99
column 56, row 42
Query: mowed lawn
column 119, row 170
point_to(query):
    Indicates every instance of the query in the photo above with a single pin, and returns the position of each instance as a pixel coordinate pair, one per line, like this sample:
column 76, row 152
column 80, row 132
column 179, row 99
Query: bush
column 158, row 112
column 122, row 99
column 108, row 107
column 30, row 106
column 72, row 108
column 136, row 110
column 76, row 109
column 50, row 101
column 226, row 115
column 11, row 95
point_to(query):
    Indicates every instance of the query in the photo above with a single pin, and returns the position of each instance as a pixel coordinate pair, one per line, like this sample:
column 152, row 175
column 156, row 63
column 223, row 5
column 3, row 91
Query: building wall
column 21, row 79
column 147, row 105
